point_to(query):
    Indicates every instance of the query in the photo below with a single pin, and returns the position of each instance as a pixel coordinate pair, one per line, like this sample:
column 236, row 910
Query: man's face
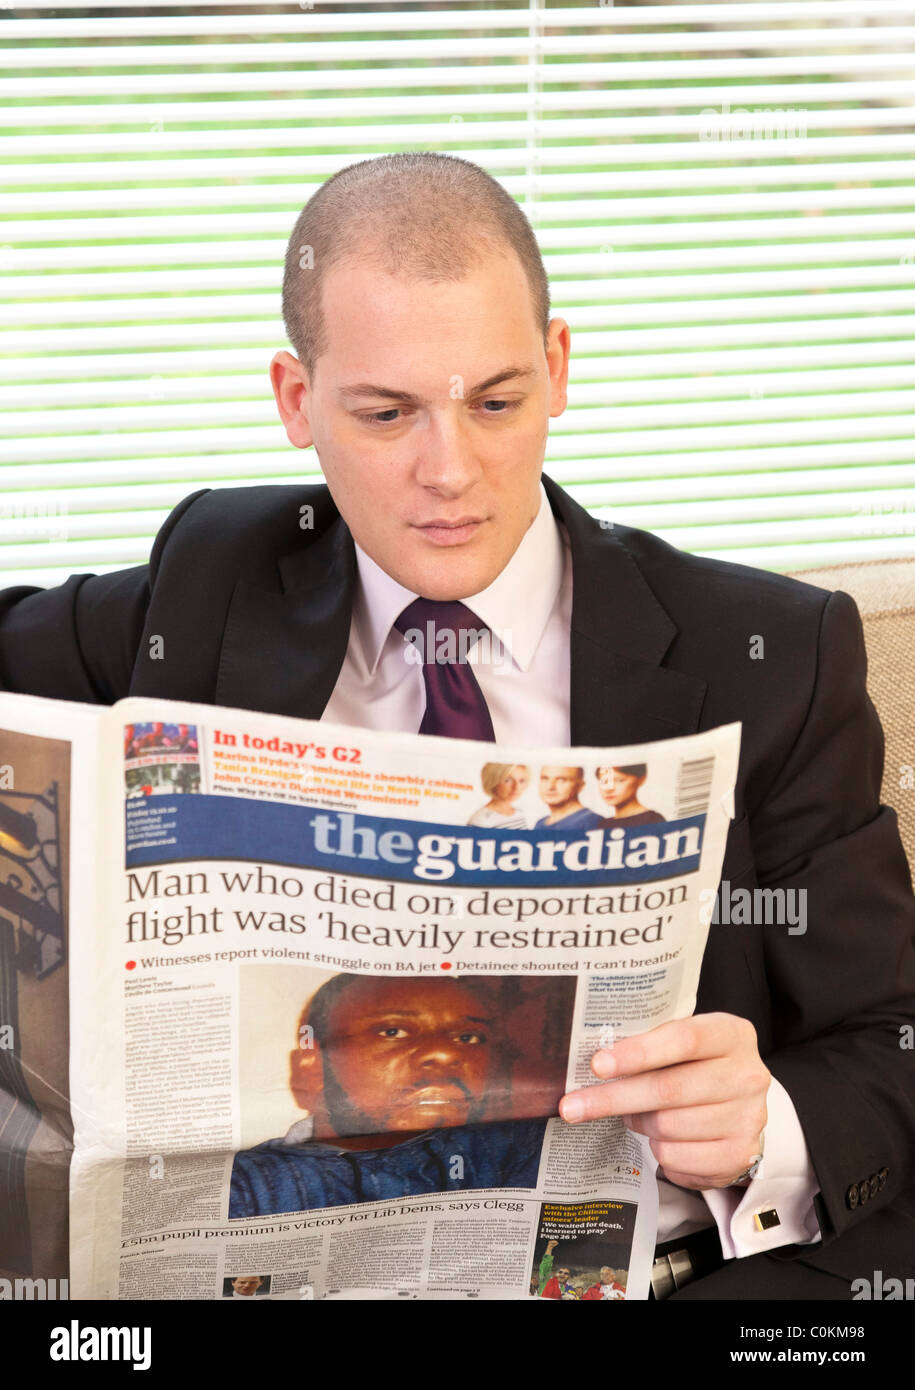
column 411, row 1055
column 559, row 785
column 440, row 488
column 247, row 1285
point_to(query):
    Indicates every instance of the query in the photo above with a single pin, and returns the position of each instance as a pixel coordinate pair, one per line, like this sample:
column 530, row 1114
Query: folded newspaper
column 288, row 1007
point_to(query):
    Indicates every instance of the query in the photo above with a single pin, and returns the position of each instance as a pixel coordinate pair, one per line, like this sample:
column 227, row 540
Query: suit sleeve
column 843, row 988
column 79, row 641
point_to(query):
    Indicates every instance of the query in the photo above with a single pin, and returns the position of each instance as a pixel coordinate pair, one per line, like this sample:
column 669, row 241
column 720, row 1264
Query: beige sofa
column 884, row 591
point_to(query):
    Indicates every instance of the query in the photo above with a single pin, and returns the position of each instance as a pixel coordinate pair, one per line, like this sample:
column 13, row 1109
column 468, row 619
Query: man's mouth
column 435, row 1095
column 442, row 532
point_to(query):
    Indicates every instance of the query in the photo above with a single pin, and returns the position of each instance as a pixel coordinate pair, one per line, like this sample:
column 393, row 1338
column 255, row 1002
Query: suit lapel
column 620, row 633
column 283, row 650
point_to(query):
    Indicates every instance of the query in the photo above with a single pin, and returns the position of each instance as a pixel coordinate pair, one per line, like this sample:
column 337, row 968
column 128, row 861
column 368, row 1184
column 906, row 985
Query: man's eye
column 508, row 405
column 392, row 1032
column 471, row 1037
column 377, row 417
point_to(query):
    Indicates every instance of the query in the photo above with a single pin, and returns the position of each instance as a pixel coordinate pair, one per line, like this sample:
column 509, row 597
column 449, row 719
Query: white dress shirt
column 529, row 607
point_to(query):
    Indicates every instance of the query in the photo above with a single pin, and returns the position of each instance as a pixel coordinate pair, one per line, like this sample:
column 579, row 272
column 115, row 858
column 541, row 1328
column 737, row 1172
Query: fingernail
column 603, row 1064
column 572, row 1108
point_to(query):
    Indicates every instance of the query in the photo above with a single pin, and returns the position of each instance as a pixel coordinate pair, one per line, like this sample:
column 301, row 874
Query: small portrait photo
column 250, row 1286
column 504, row 784
column 620, row 790
column 560, row 791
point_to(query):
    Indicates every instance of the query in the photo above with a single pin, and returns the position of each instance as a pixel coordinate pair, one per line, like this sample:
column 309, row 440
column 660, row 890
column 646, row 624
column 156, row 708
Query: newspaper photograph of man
column 250, row 1286
column 410, row 1087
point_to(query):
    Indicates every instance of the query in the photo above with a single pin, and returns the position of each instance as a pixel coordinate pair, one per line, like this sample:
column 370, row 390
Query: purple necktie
column 454, row 701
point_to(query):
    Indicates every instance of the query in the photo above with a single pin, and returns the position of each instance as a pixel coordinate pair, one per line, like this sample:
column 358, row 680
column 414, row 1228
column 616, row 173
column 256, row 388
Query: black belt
column 679, row 1262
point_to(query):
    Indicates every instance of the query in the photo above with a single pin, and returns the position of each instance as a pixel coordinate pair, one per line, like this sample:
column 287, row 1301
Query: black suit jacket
column 252, row 611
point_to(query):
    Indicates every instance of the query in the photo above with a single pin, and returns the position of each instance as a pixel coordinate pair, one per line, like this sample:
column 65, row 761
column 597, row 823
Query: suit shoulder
column 273, row 510
column 719, row 588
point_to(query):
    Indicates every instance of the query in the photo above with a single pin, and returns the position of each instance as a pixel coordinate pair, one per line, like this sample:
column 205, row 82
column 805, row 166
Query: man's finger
column 681, row 1040
column 692, row 1123
column 711, row 1083
column 706, row 1165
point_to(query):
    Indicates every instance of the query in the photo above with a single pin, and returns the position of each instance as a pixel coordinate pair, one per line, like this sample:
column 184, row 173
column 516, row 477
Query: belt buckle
column 671, row 1272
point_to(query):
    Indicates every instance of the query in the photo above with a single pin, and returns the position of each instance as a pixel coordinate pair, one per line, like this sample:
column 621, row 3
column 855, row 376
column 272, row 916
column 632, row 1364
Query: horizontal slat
column 547, row 185
column 611, row 288
column 70, row 231
column 874, row 322
column 608, row 262
column 128, row 372
column 568, row 463
column 738, row 12
column 235, row 388
column 188, row 78
column 141, row 416
column 369, row 48
column 802, row 306
column 378, row 110
column 26, row 516
column 248, row 25
column 711, row 127
column 759, row 431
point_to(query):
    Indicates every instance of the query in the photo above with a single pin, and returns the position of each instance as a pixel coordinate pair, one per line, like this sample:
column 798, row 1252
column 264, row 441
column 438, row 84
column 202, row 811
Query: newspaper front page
column 330, row 985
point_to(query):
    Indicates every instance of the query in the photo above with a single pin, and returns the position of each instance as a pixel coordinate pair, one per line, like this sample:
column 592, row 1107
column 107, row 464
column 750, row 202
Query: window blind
column 722, row 193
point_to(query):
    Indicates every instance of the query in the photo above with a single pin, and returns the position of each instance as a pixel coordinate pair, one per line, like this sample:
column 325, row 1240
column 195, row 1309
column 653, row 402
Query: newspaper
column 326, row 989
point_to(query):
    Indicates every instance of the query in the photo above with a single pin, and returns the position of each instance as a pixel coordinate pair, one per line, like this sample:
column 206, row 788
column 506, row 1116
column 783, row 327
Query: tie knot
column 440, row 631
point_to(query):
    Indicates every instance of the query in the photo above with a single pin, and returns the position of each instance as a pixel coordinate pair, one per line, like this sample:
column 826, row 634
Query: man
column 560, row 788
column 246, row 1285
column 399, row 1073
column 554, row 1283
column 607, row 1288
column 428, row 370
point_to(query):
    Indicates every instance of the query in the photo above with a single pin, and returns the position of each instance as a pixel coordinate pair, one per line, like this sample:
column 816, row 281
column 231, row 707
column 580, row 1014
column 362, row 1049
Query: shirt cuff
column 785, row 1182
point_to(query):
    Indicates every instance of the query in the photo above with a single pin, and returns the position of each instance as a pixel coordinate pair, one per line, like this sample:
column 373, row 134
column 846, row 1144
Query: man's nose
column 438, row 1050
column 445, row 459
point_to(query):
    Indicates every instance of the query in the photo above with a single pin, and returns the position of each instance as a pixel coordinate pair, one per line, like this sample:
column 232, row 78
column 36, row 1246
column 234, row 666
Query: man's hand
column 696, row 1087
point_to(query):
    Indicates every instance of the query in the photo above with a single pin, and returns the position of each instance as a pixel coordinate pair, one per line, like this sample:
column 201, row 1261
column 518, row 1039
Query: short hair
column 430, row 216
column 630, row 770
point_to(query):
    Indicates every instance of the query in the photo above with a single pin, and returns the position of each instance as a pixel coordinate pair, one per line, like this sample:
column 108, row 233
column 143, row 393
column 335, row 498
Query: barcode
column 693, row 786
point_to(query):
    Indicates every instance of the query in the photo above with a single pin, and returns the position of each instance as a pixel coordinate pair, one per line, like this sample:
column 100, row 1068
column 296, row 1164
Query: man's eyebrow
column 367, row 388
column 378, row 1015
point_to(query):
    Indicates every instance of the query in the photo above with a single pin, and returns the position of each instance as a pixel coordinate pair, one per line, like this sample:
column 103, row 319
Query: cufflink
column 765, row 1220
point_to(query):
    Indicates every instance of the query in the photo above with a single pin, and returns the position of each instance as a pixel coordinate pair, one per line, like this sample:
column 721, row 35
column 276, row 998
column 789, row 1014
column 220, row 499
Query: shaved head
column 429, row 217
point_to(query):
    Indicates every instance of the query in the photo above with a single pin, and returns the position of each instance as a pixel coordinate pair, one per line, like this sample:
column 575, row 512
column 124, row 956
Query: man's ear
column 559, row 341
column 306, row 1077
column 292, row 392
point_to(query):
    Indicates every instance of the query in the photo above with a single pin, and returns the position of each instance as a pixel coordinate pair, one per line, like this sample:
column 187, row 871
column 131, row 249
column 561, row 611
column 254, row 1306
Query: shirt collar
column 515, row 606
